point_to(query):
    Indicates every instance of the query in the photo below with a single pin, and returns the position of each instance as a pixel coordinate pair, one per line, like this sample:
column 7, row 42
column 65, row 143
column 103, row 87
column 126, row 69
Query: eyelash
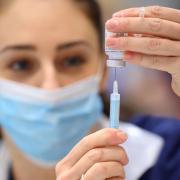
column 75, row 60
column 21, row 61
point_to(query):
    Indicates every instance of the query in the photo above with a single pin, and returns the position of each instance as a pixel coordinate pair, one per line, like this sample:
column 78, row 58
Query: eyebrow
column 18, row 47
column 33, row 48
column 72, row 44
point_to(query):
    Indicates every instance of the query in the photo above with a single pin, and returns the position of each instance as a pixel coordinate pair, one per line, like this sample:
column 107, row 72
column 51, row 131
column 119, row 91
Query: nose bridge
column 49, row 76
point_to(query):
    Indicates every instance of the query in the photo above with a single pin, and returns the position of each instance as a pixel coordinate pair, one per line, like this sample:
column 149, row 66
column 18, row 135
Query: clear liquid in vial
column 115, row 57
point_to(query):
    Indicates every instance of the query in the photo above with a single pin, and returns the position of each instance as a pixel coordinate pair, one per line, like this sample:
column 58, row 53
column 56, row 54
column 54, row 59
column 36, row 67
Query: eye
column 19, row 66
column 73, row 61
column 23, row 64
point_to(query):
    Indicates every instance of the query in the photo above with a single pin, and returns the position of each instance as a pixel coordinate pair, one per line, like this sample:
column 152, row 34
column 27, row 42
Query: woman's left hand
column 159, row 46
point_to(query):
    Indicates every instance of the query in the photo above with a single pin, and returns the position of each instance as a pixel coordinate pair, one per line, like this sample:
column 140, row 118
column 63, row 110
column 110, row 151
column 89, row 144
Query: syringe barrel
column 114, row 110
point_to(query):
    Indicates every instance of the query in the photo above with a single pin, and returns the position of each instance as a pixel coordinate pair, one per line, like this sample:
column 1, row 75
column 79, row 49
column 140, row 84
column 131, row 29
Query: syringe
column 114, row 107
column 115, row 60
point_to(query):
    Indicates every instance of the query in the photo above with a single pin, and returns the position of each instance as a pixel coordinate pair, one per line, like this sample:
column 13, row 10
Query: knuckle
column 123, row 172
column 64, row 176
column 156, row 11
column 108, row 135
column 176, row 68
column 155, row 60
column 125, row 43
column 59, row 168
column 84, row 142
column 141, row 59
column 124, row 156
column 175, row 86
column 125, row 23
column 155, row 25
column 101, row 168
column 153, row 44
column 95, row 155
column 60, row 177
column 120, row 169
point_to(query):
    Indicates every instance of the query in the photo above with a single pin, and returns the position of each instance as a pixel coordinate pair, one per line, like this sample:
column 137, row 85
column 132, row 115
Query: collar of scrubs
column 5, row 162
column 143, row 149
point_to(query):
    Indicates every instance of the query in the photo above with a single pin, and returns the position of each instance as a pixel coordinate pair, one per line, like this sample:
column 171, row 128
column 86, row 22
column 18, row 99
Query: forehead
column 45, row 20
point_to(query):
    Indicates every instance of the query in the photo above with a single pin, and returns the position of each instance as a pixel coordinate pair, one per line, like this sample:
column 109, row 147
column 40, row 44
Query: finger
column 152, row 11
column 94, row 156
column 116, row 178
column 105, row 170
column 140, row 35
column 153, row 26
column 151, row 46
column 168, row 64
column 104, row 137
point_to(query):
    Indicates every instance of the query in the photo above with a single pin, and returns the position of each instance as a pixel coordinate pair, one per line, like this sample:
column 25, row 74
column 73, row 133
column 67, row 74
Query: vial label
column 114, row 54
column 115, row 57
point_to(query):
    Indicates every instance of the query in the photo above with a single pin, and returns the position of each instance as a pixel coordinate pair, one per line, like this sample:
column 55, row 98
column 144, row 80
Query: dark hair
column 92, row 10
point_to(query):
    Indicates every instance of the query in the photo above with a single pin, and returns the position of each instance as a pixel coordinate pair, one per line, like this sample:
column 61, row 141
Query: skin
column 158, row 48
column 43, row 45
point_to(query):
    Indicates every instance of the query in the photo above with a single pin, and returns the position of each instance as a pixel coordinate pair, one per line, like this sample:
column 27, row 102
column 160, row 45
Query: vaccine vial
column 114, row 57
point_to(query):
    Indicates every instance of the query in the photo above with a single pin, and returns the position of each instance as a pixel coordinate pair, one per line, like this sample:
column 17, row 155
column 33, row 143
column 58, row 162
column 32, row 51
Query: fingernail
column 118, row 14
column 122, row 135
column 112, row 24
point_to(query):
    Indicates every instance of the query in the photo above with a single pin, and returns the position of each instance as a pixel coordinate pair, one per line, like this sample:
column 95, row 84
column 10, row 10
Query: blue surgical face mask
column 45, row 125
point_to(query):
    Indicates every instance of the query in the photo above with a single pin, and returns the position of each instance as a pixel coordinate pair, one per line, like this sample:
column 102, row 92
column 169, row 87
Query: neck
column 22, row 168
column 31, row 172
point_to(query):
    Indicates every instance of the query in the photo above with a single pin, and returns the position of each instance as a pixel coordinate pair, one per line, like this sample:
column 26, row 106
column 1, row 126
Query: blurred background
column 142, row 90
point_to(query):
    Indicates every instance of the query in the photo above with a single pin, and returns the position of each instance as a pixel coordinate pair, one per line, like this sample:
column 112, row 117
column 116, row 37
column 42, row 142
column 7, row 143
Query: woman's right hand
column 97, row 156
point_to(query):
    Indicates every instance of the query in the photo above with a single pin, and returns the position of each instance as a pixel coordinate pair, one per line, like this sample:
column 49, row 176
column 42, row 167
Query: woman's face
column 47, row 44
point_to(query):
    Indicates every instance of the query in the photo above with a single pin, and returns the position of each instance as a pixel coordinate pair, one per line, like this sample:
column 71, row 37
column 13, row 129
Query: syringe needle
column 115, row 73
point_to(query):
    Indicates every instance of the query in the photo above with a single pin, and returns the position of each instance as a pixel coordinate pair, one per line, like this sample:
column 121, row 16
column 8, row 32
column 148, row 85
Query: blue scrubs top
column 168, row 164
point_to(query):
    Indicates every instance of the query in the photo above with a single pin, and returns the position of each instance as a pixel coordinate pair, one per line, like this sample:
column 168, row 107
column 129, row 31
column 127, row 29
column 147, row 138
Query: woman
column 52, row 61
column 51, row 69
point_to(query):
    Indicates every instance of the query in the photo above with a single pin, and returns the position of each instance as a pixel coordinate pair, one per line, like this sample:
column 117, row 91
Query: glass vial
column 115, row 57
